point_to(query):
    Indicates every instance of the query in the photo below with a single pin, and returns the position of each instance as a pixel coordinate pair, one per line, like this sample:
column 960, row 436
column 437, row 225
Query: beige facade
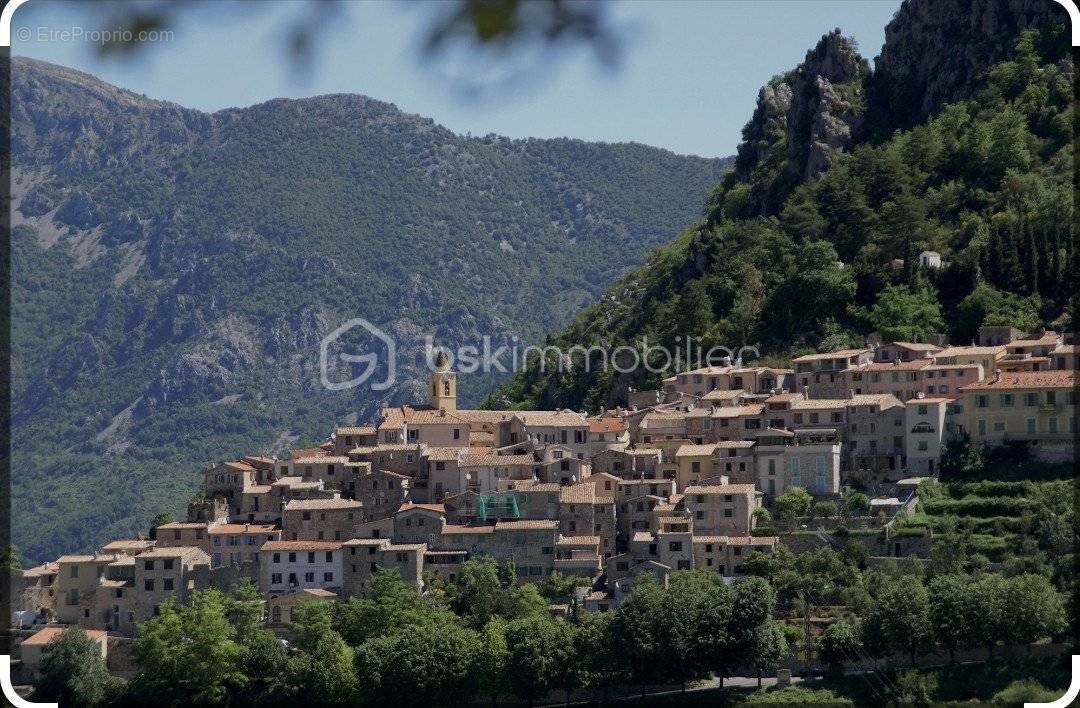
column 163, row 574
column 721, row 509
column 236, row 544
column 322, row 519
column 77, row 580
column 1037, row 409
column 362, row 558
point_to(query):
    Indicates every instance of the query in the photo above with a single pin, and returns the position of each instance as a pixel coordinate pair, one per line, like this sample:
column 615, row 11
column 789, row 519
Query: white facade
column 924, row 431
column 287, row 566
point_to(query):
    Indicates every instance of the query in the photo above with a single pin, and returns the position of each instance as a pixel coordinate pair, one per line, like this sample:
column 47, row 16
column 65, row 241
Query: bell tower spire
column 442, row 389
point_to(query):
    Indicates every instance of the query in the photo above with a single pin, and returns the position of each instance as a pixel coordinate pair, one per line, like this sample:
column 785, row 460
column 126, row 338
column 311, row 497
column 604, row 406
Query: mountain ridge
column 174, row 273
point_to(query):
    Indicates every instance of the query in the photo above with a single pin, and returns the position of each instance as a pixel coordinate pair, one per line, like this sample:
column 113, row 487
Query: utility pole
column 806, row 635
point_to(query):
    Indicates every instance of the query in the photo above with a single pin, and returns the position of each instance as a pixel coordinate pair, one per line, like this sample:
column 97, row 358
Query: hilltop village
column 686, row 477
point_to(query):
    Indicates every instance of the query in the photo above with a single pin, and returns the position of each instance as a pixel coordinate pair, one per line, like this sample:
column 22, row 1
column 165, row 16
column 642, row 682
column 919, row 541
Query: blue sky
column 686, row 79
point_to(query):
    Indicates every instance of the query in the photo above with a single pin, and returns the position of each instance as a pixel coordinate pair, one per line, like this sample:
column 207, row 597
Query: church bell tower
column 442, row 390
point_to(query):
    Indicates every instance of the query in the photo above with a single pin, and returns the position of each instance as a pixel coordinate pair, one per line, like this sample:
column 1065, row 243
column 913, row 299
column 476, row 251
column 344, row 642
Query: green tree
column 1033, row 609
column 491, row 655
column 839, row 643
column 162, row 518
column 9, row 557
column 72, row 670
column 952, row 612
column 325, row 675
column 900, row 621
column 187, row 654
column 310, row 624
column 535, row 650
column 769, row 648
column 793, row 503
column 907, row 313
column 988, row 598
column 422, row 664
column 857, row 502
column 558, row 586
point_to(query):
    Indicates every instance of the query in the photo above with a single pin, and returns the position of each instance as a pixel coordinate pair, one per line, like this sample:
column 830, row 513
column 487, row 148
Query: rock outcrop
column 935, row 53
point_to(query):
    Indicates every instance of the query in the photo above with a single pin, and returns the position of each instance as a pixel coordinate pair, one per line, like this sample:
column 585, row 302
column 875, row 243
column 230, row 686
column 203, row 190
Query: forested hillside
column 802, row 243
column 174, row 272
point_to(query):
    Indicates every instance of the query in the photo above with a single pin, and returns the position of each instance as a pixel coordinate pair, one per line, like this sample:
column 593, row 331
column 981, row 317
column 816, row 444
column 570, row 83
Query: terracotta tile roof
column 295, row 483
column 723, row 395
column 473, row 459
column 642, row 537
column 453, row 529
column 306, row 452
column 182, row 525
column 43, row 569
column 783, row 397
column 735, row 444
column 356, row 430
column 172, row 552
column 737, row 411
column 606, row 425
column 128, row 544
column 708, row 371
column 481, row 416
column 874, row 399
column 301, row 546
column 321, row 504
column 428, row 507
column 695, row 450
column 969, row 351
column 580, row 493
column 737, row 540
column 321, row 460
column 841, row 354
column 444, row 454
column 718, row 489
column 238, row 466
column 578, row 541
column 916, row 346
column 1027, row 379
column 892, row 365
column 527, row 525
column 551, row 419
column 43, row 636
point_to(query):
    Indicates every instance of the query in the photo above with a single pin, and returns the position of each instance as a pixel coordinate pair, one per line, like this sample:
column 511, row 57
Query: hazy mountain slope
column 798, row 246
column 175, row 271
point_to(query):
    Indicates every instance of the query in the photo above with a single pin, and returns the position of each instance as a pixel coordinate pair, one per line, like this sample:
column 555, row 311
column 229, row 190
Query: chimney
column 997, row 375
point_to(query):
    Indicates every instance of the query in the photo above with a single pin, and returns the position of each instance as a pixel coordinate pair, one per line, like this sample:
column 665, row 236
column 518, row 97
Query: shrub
column 797, row 694
column 824, row 509
column 1025, row 691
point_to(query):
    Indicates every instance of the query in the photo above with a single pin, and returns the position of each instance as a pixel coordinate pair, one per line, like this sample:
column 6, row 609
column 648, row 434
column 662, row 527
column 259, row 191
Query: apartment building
column 721, row 509
column 163, row 574
column 287, row 566
column 924, row 434
column 237, row 544
column 321, row 519
column 1036, row 409
column 820, row 375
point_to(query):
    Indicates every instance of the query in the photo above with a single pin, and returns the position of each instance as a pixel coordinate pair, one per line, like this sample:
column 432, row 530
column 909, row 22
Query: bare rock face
column 804, row 118
column 935, row 53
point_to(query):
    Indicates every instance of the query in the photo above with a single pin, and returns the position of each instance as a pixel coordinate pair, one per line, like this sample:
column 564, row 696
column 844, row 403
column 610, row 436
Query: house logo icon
column 370, row 360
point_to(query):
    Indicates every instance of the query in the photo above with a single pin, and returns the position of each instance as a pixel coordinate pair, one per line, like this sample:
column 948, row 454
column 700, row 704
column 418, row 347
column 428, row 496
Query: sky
column 686, row 75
